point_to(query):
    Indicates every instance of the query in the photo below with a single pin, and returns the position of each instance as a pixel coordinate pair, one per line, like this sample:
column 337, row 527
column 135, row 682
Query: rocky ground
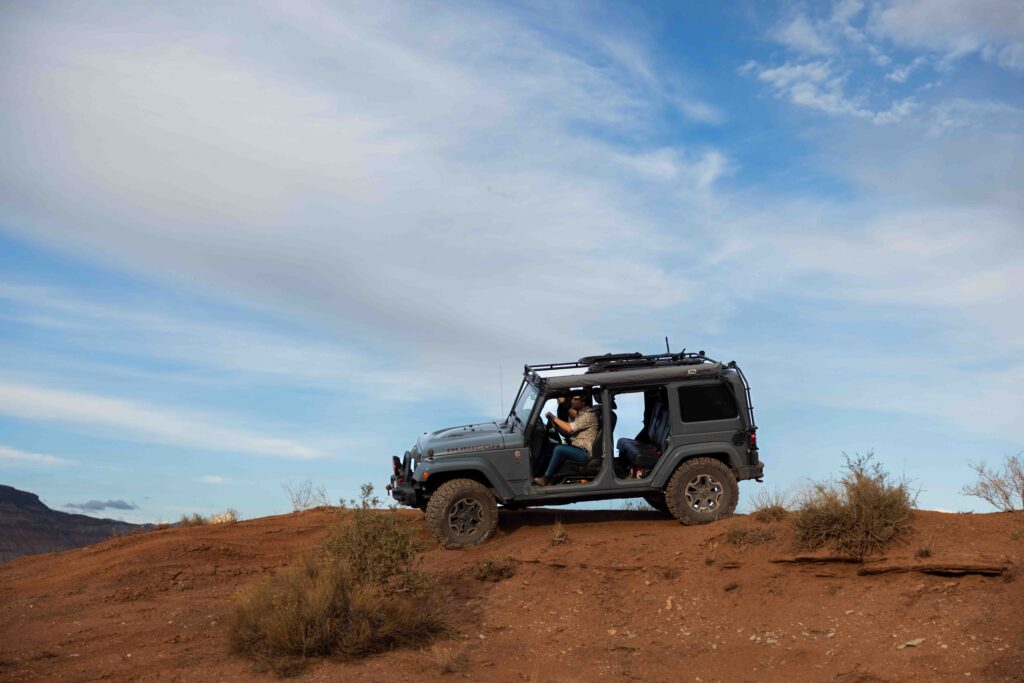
column 626, row 596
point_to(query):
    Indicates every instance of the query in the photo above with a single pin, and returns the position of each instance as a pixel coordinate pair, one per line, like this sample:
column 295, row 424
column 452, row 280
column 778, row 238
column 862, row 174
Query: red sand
column 629, row 596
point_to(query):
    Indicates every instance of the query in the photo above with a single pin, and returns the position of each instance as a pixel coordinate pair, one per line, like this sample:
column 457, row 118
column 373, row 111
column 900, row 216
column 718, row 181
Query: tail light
column 753, row 439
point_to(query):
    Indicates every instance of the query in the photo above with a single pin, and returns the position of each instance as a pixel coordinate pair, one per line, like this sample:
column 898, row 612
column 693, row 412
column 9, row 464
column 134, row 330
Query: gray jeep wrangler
column 697, row 440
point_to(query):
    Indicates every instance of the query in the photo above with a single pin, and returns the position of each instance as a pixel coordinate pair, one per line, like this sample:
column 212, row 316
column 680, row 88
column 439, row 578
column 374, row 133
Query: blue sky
column 242, row 245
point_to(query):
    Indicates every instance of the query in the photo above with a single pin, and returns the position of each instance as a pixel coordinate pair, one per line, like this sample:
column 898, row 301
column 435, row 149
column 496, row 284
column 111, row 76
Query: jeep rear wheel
column 461, row 513
column 702, row 490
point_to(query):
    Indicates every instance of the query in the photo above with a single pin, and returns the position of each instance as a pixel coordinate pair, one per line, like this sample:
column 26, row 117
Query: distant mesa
column 28, row 527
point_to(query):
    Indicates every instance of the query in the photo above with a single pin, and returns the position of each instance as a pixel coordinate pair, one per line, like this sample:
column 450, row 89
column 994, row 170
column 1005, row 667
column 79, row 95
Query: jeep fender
column 479, row 469
column 723, row 451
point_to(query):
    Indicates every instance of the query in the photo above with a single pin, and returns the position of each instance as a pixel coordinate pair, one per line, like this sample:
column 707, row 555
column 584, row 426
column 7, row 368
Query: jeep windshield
column 524, row 404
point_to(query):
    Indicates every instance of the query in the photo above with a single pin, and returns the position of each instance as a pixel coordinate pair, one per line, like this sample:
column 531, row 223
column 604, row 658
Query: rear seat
column 645, row 451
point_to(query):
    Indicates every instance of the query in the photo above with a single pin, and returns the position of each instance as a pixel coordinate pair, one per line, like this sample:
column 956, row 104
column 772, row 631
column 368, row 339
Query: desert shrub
column 306, row 496
column 229, row 516
column 320, row 607
column 858, row 515
column 924, row 552
column 1003, row 489
column 376, row 544
column 195, row 519
column 364, row 593
column 741, row 536
column 770, row 505
column 495, row 570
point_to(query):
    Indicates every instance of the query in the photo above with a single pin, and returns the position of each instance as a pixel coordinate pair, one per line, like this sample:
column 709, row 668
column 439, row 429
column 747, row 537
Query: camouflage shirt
column 584, row 430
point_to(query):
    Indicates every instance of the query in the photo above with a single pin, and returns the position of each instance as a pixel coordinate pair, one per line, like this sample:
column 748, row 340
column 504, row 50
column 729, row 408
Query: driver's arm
column 561, row 425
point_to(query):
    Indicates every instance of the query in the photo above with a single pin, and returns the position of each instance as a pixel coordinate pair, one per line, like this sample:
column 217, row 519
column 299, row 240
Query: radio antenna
column 666, row 346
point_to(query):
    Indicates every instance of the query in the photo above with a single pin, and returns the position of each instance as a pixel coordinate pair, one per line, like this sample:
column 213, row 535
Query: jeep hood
column 464, row 439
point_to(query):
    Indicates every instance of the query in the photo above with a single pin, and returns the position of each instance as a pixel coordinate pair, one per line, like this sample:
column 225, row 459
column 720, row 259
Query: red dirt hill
column 628, row 596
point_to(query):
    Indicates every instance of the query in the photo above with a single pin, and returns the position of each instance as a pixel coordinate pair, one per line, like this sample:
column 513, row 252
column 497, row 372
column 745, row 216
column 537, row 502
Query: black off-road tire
column 658, row 502
column 462, row 513
column 702, row 490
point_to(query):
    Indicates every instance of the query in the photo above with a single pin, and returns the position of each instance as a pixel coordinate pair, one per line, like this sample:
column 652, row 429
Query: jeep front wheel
column 702, row 490
column 461, row 513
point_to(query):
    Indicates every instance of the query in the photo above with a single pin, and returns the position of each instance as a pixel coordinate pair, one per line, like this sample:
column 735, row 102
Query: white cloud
column 961, row 113
column 697, row 170
column 802, row 36
column 202, row 350
column 357, row 173
column 789, row 74
column 901, row 73
column 845, row 10
column 814, row 85
column 9, row 454
column 136, row 421
column 992, row 28
column 211, row 479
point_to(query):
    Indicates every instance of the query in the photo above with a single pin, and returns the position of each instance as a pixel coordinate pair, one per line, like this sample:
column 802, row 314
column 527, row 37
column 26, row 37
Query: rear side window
column 707, row 402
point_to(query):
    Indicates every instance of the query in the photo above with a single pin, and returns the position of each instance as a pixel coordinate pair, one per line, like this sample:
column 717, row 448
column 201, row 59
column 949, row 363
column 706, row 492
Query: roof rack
column 622, row 361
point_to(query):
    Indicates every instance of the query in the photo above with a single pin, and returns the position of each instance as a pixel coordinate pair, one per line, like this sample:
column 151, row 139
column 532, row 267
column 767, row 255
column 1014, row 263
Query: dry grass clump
column 558, row 533
column 306, row 496
column 770, row 505
column 860, row 514
column 495, row 570
column 229, row 516
column 636, row 505
column 364, row 594
column 1003, row 489
column 741, row 536
column 195, row 519
column 450, row 660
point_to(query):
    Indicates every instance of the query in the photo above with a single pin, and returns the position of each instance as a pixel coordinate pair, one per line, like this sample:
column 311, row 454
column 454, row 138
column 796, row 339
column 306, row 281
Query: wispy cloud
column 140, row 421
column 901, row 73
column 9, row 454
column 366, row 197
column 211, row 479
column 801, row 35
column 815, row 85
column 993, row 29
column 98, row 505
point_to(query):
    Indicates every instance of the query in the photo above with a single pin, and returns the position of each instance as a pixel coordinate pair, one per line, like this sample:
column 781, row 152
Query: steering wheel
column 552, row 432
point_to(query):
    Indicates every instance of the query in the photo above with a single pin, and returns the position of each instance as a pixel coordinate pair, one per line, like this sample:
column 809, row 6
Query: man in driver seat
column 581, row 432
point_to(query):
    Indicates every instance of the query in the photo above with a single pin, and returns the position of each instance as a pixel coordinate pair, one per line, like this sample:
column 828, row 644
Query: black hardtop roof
column 621, row 369
column 613, row 369
column 607, row 378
